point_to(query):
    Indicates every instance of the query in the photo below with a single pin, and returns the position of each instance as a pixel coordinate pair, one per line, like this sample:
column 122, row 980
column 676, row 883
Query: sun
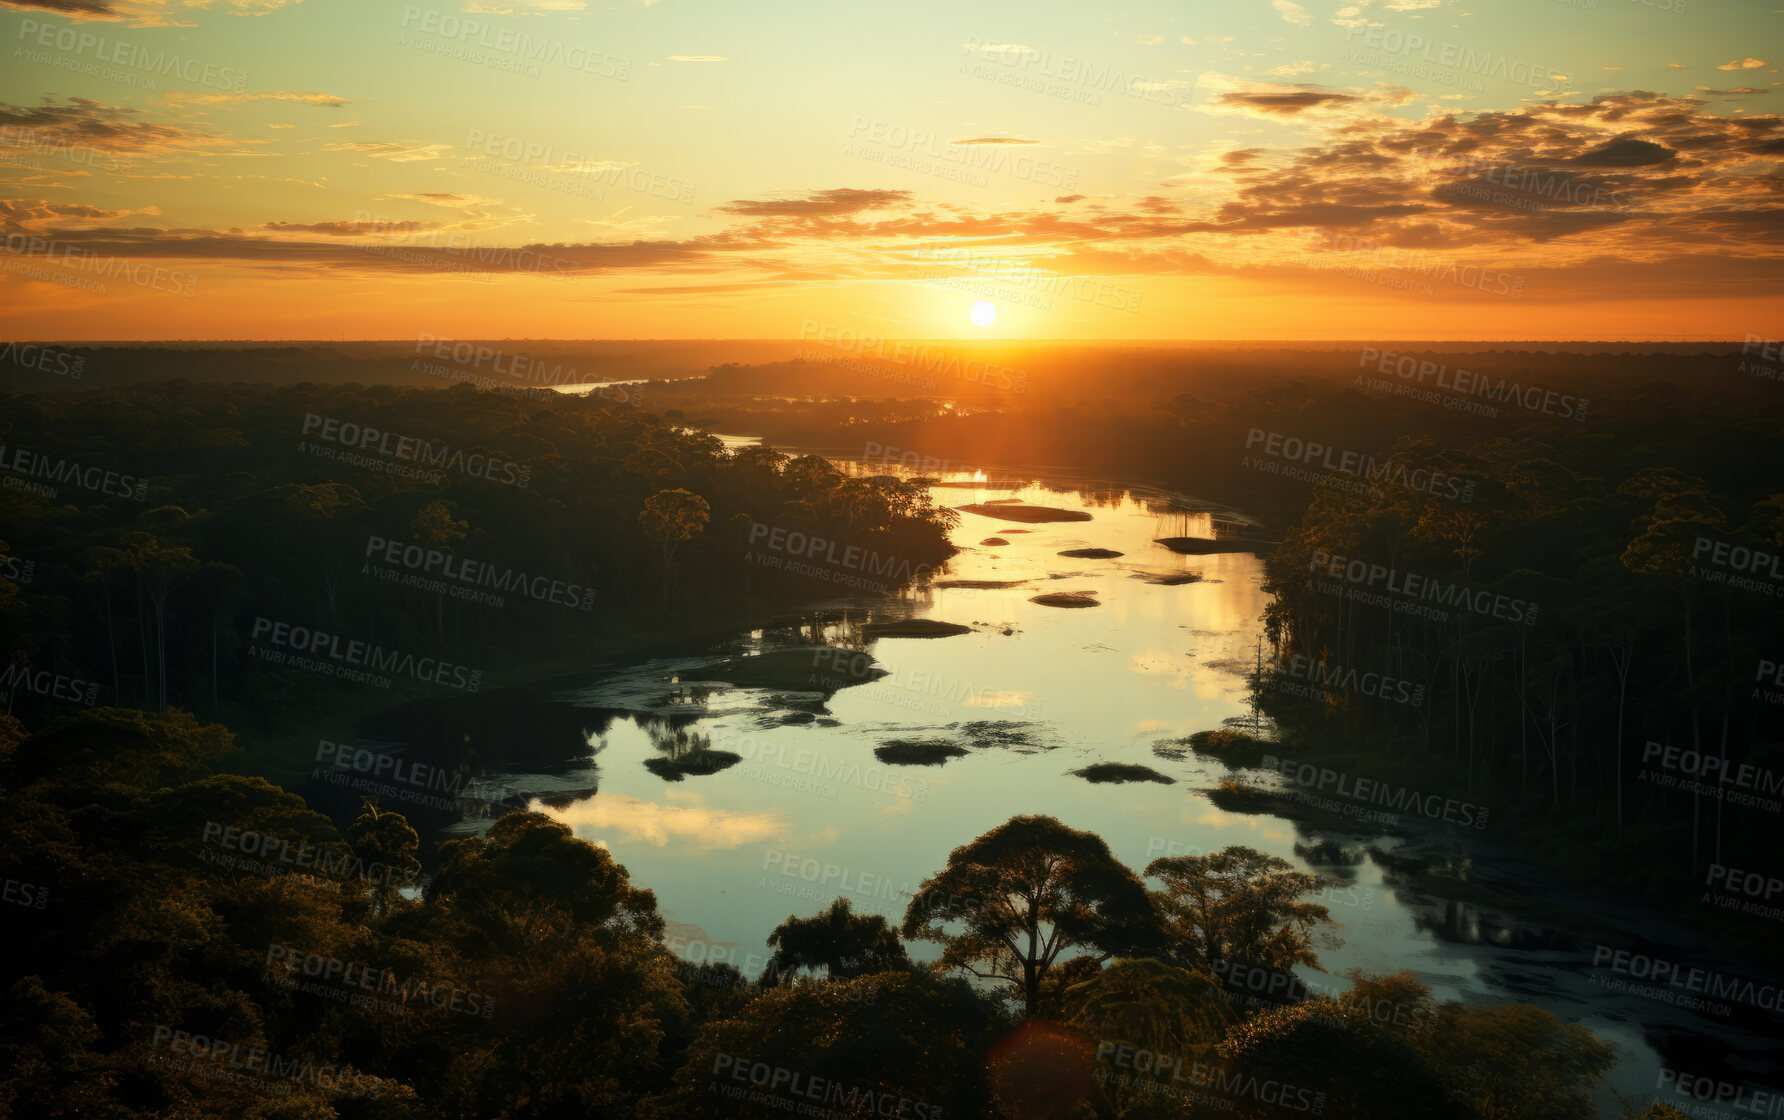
column 983, row 313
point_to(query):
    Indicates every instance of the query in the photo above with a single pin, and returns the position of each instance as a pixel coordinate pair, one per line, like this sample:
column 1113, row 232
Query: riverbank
column 1490, row 853
column 288, row 758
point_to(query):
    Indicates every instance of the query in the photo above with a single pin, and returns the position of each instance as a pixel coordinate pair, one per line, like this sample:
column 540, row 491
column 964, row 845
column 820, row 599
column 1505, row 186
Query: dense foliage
column 154, row 534
column 178, row 968
column 1618, row 535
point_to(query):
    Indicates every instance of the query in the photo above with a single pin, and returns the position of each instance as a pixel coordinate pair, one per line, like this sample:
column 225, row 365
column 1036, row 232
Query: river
column 1032, row 693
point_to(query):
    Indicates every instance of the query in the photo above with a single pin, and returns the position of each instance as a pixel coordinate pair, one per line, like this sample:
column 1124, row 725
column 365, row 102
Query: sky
column 1247, row 169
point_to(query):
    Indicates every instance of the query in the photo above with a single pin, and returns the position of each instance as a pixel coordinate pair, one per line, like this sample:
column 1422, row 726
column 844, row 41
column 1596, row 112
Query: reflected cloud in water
column 694, row 825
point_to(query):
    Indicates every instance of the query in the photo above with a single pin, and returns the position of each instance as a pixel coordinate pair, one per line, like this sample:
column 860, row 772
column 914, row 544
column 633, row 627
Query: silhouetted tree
column 1025, row 894
column 1237, row 905
column 836, row 939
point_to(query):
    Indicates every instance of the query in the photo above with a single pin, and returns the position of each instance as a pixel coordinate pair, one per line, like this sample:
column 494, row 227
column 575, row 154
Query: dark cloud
column 90, row 8
column 1284, row 102
column 840, row 200
column 81, row 122
column 1625, row 152
column 18, row 215
column 352, row 228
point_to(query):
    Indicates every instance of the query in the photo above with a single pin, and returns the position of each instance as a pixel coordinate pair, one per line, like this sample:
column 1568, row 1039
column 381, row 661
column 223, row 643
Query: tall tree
column 1664, row 552
column 159, row 568
column 222, row 586
column 1237, row 905
column 102, row 564
column 435, row 527
column 670, row 517
column 386, row 839
column 838, row 940
column 1024, row 894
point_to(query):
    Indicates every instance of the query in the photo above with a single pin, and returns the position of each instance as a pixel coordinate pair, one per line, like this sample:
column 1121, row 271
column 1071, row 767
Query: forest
column 197, row 940
column 1616, row 702
column 165, row 545
column 193, row 943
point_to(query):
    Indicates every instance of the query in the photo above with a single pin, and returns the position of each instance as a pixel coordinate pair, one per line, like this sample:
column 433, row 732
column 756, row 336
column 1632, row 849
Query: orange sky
column 296, row 169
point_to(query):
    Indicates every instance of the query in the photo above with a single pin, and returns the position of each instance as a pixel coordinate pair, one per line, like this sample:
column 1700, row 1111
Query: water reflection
column 811, row 743
column 682, row 820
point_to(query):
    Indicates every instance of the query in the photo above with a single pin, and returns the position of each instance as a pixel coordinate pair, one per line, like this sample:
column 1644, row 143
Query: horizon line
column 889, row 338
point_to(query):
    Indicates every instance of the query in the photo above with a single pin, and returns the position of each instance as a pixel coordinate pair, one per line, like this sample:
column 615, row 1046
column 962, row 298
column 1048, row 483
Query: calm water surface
column 1031, row 694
